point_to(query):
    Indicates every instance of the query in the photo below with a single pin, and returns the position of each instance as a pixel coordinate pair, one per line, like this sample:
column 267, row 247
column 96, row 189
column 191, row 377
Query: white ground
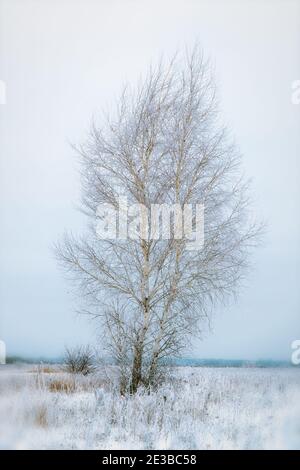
column 200, row 408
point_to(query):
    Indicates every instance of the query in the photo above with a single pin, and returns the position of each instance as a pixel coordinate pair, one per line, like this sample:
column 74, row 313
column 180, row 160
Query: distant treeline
column 191, row 362
column 182, row 362
column 26, row 360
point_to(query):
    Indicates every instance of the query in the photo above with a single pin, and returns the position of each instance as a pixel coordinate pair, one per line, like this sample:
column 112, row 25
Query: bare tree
column 79, row 360
column 163, row 145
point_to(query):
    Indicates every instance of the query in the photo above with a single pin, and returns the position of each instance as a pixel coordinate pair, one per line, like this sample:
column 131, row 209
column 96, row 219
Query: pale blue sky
column 62, row 62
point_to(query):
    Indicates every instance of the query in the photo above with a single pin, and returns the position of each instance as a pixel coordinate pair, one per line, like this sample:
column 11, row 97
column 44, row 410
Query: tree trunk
column 136, row 375
column 152, row 368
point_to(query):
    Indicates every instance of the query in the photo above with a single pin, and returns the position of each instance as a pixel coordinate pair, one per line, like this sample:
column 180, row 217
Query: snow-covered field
column 199, row 408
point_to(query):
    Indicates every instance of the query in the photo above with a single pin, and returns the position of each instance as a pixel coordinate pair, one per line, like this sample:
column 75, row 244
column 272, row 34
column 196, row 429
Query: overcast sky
column 63, row 61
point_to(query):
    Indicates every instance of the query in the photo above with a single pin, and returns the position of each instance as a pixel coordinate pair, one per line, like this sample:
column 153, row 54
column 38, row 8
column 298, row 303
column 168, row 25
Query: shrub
column 79, row 360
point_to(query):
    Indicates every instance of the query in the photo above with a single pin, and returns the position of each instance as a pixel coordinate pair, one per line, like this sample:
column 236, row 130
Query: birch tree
column 163, row 144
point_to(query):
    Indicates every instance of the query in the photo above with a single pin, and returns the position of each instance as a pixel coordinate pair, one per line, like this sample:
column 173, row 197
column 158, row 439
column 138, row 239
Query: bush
column 79, row 360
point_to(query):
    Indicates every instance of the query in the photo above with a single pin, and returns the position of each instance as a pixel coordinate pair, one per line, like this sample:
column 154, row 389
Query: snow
column 197, row 408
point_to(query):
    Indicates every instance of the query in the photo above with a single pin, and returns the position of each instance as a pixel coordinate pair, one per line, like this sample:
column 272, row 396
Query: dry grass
column 62, row 385
column 44, row 370
column 41, row 417
column 49, row 370
column 57, row 381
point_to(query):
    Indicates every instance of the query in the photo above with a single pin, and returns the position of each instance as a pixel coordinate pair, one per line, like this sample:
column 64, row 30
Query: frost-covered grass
column 198, row 408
